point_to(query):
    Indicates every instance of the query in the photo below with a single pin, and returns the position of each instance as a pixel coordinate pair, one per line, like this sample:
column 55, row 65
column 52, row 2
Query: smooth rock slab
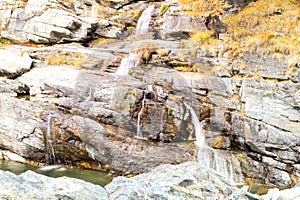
column 14, row 63
column 31, row 185
column 189, row 180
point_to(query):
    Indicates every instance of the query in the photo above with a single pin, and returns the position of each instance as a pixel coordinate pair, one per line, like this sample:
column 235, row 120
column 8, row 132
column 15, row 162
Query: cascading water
column 208, row 156
column 49, row 150
column 148, row 89
column 128, row 62
column 139, row 133
column 142, row 26
column 197, row 126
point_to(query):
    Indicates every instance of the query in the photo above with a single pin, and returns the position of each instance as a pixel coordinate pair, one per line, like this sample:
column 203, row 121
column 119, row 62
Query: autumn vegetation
column 204, row 8
column 264, row 26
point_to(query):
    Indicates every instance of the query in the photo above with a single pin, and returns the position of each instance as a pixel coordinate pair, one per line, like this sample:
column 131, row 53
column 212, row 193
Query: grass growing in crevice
column 4, row 42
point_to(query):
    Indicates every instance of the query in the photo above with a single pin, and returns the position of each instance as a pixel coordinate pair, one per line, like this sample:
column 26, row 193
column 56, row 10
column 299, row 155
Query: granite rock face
column 50, row 22
column 31, row 185
column 185, row 181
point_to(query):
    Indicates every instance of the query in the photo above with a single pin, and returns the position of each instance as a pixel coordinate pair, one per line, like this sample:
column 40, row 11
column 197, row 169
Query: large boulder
column 14, row 63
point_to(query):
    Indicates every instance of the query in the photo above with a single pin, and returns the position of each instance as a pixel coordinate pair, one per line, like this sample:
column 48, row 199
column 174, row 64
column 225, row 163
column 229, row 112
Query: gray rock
column 13, row 87
column 287, row 194
column 56, row 22
column 267, row 101
column 185, row 181
column 265, row 65
column 14, row 63
column 31, row 185
column 54, row 26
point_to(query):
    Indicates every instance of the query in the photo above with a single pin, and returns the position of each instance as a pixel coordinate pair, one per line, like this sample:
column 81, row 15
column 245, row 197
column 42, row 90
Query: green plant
column 169, row 111
column 164, row 7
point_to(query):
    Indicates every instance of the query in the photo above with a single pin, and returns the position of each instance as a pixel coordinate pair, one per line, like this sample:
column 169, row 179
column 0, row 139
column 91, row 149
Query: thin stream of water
column 208, row 156
column 142, row 26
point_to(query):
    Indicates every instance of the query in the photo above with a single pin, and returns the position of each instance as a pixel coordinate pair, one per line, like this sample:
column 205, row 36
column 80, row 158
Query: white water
column 208, row 156
column 52, row 168
column 139, row 133
column 128, row 62
column 48, row 139
column 142, row 26
column 197, row 127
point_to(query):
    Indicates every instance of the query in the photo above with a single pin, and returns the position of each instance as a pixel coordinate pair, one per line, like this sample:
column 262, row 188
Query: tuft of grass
column 218, row 142
column 163, row 9
column 169, row 111
column 101, row 41
column 137, row 13
column 4, row 42
column 205, row 39
column 145, row 50
column 105, row 12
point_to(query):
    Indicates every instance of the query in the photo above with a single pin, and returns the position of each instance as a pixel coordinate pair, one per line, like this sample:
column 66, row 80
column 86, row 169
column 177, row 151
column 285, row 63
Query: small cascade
column 208, row 156
column 128, row 62
column 197, row 126
column 218, row 161
column 142, row 26
column 139, row 133
column 49, row 150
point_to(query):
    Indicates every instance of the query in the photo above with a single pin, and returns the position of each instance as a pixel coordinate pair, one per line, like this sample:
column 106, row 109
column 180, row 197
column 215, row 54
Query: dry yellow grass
column 205, row 39
column 267, row 27
column 4, row 42
column 264, row 26
column 72, row 59
column 145, row 50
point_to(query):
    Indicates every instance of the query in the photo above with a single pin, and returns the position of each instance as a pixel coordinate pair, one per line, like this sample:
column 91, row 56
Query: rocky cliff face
column 65, row 104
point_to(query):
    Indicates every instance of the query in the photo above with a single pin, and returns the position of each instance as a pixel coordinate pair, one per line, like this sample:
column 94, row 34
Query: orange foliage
column 204, row 8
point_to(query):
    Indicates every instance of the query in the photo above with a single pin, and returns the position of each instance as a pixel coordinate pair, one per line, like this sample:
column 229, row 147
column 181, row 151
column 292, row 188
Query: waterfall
column 200, row 142
column 128, row 62
column 142, row 26
column 208, row 156
column 49, row 150
column 139, row 133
